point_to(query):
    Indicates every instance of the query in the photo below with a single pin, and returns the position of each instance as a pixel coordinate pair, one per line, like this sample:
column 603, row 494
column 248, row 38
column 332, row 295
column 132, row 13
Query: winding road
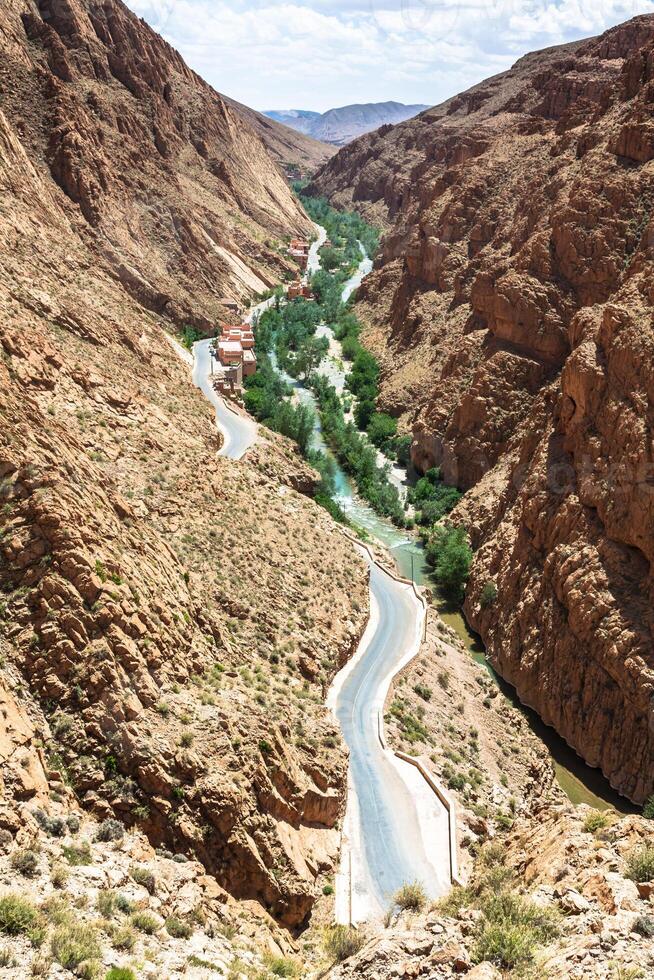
column 395, row 829
column 239, row 430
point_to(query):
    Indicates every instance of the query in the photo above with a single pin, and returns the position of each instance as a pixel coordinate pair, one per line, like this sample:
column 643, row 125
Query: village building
column 299, row 289
column 234, row 352
column 298, row 249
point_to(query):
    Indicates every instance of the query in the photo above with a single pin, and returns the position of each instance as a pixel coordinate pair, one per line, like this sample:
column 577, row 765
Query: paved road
column 397, row 828
column 239, row 431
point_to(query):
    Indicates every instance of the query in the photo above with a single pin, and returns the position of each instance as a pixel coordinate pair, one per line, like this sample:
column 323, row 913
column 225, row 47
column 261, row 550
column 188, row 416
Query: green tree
column 450, row 555
column 310, row 355
column 381, row 429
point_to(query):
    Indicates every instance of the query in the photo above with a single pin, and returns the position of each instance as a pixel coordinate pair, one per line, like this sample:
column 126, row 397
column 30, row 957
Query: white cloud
column 315, row 54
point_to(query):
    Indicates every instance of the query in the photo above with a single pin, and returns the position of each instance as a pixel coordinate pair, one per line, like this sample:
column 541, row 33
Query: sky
column 318, row 54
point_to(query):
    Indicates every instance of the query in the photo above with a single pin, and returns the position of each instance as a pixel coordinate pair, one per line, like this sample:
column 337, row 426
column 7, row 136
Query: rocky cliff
column 170, row 618
column 511, row 308
column 160, row 174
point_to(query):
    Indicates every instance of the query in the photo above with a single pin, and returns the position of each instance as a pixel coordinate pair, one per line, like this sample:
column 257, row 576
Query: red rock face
column 127, row 186
column 155, row 164
column 512, row 304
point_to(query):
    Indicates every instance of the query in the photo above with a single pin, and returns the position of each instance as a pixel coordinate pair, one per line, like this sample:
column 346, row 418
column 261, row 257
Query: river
column 580, row 783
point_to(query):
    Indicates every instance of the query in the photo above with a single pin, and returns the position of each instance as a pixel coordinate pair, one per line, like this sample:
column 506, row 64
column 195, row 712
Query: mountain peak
column 343, row 124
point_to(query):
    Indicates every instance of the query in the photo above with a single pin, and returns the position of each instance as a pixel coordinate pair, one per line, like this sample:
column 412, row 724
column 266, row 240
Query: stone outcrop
column 511, row 308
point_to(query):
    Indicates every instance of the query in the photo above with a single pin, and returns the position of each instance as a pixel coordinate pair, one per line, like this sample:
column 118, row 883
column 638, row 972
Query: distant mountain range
column 340, row 126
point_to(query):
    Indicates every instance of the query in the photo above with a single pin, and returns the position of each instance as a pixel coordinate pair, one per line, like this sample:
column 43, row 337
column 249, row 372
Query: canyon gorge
column 173, row 786
column 511, row 310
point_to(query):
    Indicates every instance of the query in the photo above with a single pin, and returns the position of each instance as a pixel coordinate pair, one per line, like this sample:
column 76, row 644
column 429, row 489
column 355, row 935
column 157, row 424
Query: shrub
column 144, row 877
column 40, row 965
column 595, row 820
column 505, row 944
column 26, row 861
column 78, row 855
column 177, row 928
column 488, row 595
column 328, row 889
column 120, row 973
column 640, row 864
column 411, row 896
column 123, row 904
column 124, row 939
column 145, row 922
column 644, row 926
column 265, row 747
column 342, row 942
column 280, row 966
column 73, row 944
column 17, row 915
column 110, row 830
column 57, row 911
column 443, row 679
column 106, row 903
column 59, row 875
column 55, row 826
column 512, row 929
column 648, row 808
column 423, row 691
column 73, row 823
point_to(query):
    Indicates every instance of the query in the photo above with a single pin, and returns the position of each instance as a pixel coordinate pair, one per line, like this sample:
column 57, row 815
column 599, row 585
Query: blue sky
column 316, row 54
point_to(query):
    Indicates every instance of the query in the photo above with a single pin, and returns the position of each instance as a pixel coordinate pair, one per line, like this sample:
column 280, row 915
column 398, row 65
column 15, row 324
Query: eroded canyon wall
column 511, row 308
column 168, row 618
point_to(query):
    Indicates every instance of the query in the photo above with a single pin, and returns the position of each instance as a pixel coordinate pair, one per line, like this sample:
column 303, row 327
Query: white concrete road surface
column 396, row 829
column 238, row 429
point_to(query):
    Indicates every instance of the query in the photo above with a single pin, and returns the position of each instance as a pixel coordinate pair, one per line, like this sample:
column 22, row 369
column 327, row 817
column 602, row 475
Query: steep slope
column 341, row 126
column 287, row 144
column 169, row 617
column 512, row 310
column 179, row 195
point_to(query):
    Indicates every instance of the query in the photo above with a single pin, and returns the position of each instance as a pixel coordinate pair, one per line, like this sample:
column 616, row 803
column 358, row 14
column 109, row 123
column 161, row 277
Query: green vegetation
column 177, row 928
column 431, row 498
column 190, row 336
column 411, row 897
column 450, row 555
column 341, row 942
column 145, row 922
column 266, row 397
column 78, row 854
column 355, row 454
column 640, row 864
column 648, row 808
column 511, row 928
column 144, row 877
column 644, row 926
column 110, row 830
column 26, row 861
column 344, row 228
column 281, row 966
column 411, row 727
column 488, row 595
column 120, row 973
column 595, row 820
column 73, row 944
column 17, row 915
